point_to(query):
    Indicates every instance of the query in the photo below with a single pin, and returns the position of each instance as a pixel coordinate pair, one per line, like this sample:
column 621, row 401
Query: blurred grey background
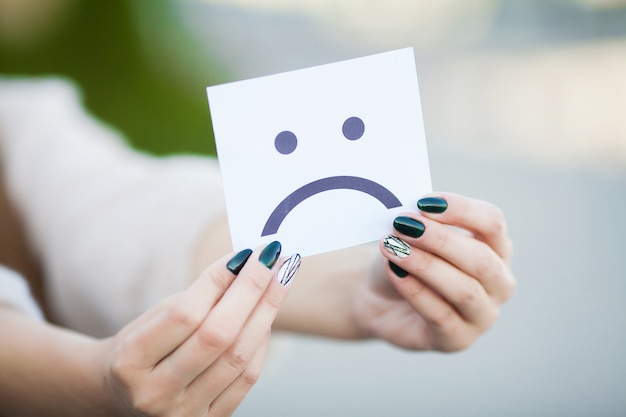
column 525, row 106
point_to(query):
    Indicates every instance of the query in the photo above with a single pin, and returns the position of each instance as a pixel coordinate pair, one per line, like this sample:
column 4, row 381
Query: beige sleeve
column 15, row 293
column 116, row 230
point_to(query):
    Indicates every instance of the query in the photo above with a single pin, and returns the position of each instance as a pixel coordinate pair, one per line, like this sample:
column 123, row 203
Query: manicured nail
column 432, row 204
column 400, row 273
column 408, row 226
column 396, row 246
column 238, row 261
column 288, row 270
column 270, row 254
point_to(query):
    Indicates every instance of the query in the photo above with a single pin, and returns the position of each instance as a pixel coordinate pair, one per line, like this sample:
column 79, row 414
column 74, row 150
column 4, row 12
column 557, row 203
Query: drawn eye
column 286, row 142
column 353, row 128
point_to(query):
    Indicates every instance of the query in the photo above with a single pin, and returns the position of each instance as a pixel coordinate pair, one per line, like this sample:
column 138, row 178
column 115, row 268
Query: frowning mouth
column 382, row 194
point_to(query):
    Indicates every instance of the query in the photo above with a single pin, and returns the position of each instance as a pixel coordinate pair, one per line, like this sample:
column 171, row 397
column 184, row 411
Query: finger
column 472, row 256
column 225, row 320
column 237, row 357
column 228, row 401
column 440, row 317
column 460, row 291
column 147, row 316
column 162, row 329
column 483, row 219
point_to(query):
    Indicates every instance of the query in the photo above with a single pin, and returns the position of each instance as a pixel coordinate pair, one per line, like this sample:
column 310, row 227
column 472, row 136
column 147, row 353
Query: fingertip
column 270, row 254
column 409, row 226
column 433, row 204
column 288, row 270
column 399, row 272
column 237, row 262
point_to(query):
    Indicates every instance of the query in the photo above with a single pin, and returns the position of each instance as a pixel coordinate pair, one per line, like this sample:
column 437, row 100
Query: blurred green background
column 137, row 66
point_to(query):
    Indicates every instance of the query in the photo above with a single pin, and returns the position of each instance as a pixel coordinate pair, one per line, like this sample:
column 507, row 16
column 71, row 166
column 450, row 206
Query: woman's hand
column 447, row 283
column 199, row 352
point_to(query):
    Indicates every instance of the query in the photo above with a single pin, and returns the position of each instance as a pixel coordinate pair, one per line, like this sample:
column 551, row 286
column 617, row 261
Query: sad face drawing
column 286, row 142
column 321, row 158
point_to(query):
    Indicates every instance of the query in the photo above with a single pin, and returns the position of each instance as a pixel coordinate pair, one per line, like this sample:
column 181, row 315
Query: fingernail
column 288, row 270
column 238, row 261
column 400, row 273
column 270, row 254
column 396, row 246
column 432, row 204
column 408, row 226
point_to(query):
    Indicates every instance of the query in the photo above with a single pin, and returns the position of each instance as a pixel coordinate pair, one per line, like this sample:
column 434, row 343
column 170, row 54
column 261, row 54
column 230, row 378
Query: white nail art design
column 288, row 270
column 397, row 247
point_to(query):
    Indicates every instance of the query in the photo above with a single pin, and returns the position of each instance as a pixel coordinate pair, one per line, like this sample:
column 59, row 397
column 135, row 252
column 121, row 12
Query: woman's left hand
column 440, row 287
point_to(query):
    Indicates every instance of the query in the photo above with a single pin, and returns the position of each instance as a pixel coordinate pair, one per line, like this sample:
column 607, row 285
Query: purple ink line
column 372, row 188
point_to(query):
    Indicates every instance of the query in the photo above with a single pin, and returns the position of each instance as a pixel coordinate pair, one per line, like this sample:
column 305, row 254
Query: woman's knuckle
column 416, row 290
column 273, row 300
column 120, row 366
column 147, row 400
column 510, row 288
column 422, row 262
column 486, row 263
column 218, row 336
column 237, row 359
column 258, row 282
column 142, row 404
column 506, row 284
column 498, row 222
column 461, row 344
column 183, row 316
column 463, row 339
column 250, row 376
column 221, row 281
column 469, row 296
column 443, row 319
column 439, row 238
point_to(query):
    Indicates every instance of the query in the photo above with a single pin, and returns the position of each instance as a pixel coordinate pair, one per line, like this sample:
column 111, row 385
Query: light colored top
column 116, row 230
column 15, row 293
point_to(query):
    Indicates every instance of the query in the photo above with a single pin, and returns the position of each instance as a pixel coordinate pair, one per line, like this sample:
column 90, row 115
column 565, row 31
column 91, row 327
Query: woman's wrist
column 49, row 371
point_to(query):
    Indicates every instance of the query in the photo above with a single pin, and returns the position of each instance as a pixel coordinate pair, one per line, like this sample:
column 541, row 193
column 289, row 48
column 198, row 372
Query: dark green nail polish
column 408, row 226
column 400, row 273
column 432, row 205
column 270, row 254
column 238, row 261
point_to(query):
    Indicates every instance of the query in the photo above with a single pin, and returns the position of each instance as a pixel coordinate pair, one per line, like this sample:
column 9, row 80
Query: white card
column 321, row 158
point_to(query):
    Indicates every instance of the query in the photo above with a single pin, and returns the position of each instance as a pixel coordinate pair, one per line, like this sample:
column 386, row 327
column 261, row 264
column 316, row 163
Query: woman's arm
column 46, row 370
column 196, row 353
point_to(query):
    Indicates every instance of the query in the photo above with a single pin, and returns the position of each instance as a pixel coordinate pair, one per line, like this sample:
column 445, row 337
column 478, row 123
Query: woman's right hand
column 199, row 352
